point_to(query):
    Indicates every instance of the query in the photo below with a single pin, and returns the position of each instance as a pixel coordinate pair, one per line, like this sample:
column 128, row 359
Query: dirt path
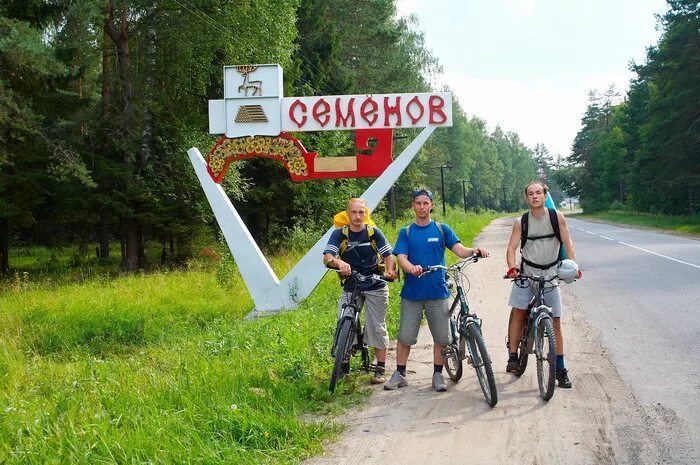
column 596, row 422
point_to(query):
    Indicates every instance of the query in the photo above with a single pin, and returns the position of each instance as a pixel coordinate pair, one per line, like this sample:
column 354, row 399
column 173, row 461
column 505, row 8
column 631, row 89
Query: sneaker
column 396, row 381
column 439, row 382
column 563, row 378
column 513, row 365
column 378, row 377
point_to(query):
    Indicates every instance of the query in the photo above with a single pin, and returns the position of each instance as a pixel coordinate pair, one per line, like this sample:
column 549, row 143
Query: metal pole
column 392, row 202
column 464, row 193
column 442, row 183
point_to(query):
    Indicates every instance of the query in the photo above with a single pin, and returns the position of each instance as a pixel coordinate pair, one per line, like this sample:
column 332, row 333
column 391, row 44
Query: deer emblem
column 255, row 86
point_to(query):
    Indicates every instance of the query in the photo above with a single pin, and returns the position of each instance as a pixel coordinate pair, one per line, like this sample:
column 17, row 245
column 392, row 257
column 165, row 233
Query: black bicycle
column 538, row 335
column 467, row 339
column 349, row 334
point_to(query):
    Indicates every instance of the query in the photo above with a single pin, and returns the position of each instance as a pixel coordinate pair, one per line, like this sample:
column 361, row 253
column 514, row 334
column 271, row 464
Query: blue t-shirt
column 424, row 246
column 359, row 253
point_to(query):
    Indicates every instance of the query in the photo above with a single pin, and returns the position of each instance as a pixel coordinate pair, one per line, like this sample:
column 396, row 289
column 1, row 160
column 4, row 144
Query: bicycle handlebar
column 456, row 266
column 537, row 279
column 362, row 278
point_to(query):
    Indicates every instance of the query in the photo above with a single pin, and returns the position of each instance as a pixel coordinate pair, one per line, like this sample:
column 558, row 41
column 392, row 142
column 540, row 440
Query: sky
column 529, row 65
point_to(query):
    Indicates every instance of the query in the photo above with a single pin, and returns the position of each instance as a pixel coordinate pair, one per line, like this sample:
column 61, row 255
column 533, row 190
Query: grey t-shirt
column 540, row 251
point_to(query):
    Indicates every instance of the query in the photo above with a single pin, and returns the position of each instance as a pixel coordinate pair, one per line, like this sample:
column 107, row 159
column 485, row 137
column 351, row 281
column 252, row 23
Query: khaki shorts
column 520, row 298
column 375, row 302
column 437, row 312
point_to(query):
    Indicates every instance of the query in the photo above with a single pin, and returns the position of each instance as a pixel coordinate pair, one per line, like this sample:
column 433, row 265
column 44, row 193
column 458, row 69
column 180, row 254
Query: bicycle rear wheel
column 546, row 358
column 343, row 350
column 480, row 360
column 522, row 347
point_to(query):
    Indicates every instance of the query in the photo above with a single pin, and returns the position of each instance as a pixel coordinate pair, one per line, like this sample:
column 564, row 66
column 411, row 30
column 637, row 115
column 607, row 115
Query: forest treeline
column 641, row 151
column 99, row 101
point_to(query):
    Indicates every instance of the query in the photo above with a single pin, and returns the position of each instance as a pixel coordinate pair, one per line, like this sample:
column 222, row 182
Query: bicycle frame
column 460, row 317
column 537, row 310
column 537, row 336
column 467, row 339
column 347, row 341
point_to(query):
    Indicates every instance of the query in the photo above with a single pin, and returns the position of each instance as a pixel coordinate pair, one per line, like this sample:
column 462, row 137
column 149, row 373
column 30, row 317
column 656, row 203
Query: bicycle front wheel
column 546, row 357
column 343, row 350
column 481, row 362
column 453, row 361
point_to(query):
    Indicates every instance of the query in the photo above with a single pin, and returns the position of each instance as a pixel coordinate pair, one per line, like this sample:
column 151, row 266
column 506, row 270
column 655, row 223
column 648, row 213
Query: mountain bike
column 349, row 335
column 538, row 335
column 467, row 339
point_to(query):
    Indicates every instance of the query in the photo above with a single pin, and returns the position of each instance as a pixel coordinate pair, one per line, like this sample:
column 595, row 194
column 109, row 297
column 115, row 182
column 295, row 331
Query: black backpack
column 554, row 220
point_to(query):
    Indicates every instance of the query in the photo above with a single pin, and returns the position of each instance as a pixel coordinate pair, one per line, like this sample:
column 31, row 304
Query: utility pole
column 464, row 193
column 503, row 189
column 442, row 184
column 392, row 202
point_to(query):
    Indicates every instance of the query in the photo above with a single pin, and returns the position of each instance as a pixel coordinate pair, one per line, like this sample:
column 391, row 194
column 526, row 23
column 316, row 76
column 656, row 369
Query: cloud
column 543, row 112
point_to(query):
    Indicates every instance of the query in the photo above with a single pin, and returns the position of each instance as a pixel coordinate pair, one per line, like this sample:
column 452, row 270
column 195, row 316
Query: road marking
column 639, row 248
column 595, row 234
column 659, row 255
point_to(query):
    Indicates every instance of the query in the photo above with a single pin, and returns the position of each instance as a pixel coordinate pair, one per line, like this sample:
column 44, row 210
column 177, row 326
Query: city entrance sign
column 256, row 120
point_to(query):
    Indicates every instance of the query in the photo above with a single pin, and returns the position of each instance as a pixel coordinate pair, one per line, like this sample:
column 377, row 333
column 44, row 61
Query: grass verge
column 162, row 368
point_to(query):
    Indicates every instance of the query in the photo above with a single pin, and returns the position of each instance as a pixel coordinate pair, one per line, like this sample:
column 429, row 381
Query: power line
column 237, row 43
column 306, row 60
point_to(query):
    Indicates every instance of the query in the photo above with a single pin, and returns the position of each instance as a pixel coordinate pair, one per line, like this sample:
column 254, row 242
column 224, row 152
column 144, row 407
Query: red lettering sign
column 321, row 112
column 415, row 101
column 395, row 110
column 368, row 111
column 292, row 115
column 347, row 119
column 436, row 105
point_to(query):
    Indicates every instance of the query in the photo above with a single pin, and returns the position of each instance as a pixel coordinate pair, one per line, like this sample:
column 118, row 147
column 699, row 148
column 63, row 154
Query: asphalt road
column 641, row 291
column 629, row 327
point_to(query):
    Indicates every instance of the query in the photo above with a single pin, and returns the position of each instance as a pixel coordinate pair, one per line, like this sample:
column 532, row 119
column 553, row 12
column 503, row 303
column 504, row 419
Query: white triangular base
column 269, row 293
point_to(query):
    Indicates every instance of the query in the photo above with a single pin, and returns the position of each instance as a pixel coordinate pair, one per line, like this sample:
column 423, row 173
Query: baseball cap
column 418, row 192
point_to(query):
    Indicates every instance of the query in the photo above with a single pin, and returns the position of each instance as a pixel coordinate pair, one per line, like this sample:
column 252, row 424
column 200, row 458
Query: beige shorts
column 437, row 312
column 375, row 302
column 520, row 298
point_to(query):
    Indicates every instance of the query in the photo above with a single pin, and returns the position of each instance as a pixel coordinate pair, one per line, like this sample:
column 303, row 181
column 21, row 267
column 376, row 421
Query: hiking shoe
column 396, row 381
column 439, row 382
column 563, row 378
column 378, row 377
column 513, row 365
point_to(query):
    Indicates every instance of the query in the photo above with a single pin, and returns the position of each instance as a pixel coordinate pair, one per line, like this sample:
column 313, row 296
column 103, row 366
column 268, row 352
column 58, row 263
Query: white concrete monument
column 255, row 118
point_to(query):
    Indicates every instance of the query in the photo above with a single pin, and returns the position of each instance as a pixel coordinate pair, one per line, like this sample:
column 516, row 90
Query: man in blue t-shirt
column 419, row 245
column 360, row 255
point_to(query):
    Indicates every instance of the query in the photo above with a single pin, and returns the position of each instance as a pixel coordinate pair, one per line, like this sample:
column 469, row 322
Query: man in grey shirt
column 540, row 256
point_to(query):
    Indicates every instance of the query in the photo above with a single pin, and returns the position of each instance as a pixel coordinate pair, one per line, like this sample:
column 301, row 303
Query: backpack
column 345, row 233
column 554, row 220
column 439, row 226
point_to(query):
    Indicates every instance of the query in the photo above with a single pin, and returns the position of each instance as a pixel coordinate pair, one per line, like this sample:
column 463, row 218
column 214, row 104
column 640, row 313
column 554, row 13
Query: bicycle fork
column 542, row 313
column 338, row 325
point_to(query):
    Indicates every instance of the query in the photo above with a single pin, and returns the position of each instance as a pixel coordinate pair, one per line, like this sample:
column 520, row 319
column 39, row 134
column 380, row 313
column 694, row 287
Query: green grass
column 162, row 367
column 682, row 224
